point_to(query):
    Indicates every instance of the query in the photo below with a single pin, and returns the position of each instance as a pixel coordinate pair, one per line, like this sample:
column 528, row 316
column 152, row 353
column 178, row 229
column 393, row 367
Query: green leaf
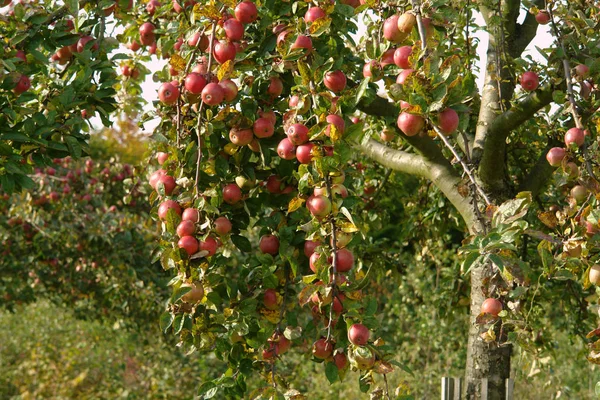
column 545, row 251
column 331, row 372
column 360, row 92
column 166, row 320
column 241, row 243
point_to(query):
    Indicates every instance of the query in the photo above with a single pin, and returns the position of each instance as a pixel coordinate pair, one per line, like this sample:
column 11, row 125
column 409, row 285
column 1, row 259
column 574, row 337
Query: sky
column 543, row 39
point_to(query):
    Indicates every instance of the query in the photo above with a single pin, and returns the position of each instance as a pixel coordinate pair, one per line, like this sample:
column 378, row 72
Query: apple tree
column 267, row 109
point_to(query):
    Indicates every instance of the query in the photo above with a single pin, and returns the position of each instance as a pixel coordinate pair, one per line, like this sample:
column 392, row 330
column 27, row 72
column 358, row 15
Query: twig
column 421, row 27
column 387, row 388
column 464, row 165
column 382, row 184
column 283, row 303
column 333, row 277
column 567, row 72
column 210, row 58
column 181, row 84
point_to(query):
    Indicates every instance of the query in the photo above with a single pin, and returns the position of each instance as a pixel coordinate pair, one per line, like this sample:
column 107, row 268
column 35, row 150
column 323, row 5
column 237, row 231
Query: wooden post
column 447, row 388
column 484, row 388
column 510, row 388
column 457, row 389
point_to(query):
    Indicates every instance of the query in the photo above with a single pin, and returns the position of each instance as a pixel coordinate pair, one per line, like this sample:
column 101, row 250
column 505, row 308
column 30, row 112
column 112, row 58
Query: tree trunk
column 484, row 360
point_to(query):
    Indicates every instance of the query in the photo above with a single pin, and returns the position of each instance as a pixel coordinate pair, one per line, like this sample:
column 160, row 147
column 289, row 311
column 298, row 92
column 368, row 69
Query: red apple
column 304, row 153
column 273, row 184
column 168, row 183
column 387, row 135
column 310, row 246
column 232, row 194
column 391, row 31
column 191, row 214
column 263, row 128
column 335, row 81
column 168, row 93
column 582, row 70
column 186, row 228
column 322, row 349
column 234, row 30
column 410, row 124
column 23, row 84
column 358, row 334
column 222, row 226
column 147, row 33
column 529, row 81
column 167, row 205
column 213, row 94
column 246, row 12
column 298, row 134
column 269, row 244
column 387, row 58
column 340, row 360
column 448, row 121
column 83, row 41
column 275, row 87
column 491, row 306
column 401, row 57
column 403, row 75
column 575, row 135
column 230, row 89
column 319, row 206
column 286, row 149
column 224, row 51
column 337, row 121
column 542, row 17
column 270, row 299
column 345, row 260
column 194, row 83
column 302, row 42
column 241, row 137
column 189, row 244
column 313, row 14
column 210, row 245
column 151, row 6
column 555, row 156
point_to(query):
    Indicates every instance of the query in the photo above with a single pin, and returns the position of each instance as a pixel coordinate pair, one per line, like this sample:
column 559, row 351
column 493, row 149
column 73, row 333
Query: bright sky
column 543, row 39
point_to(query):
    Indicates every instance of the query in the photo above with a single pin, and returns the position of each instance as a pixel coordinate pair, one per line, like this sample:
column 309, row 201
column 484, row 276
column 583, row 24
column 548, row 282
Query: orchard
column 278, row 126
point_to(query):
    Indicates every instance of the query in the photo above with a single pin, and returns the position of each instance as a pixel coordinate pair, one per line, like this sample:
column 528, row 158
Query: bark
column 484, row 360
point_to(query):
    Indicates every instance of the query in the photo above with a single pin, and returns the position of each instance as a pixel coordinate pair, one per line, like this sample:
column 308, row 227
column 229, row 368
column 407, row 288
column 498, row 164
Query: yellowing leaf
column 225, row 70
column 295, row 204
column 227, row 312
column 334, row 133
column 270, row 315
column 209, row 11
column 304, row 72
column 347, row 227
column 224, row 112
column 231, row 149
column 319, row 26
column 229, row 3
column 177, row 62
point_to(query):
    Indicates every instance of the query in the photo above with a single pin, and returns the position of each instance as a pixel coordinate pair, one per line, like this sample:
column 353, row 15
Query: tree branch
column 524, row 33
column 491, row 167
column 396, row 160
column 540, row 173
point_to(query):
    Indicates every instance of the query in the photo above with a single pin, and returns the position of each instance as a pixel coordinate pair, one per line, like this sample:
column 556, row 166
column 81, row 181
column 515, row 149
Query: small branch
column 383, row 183
column 421, row 27
column 462, row 163
column 181, row 84
column 333, row 273
column 567, row 71
column 210, row 58
column 283, row 302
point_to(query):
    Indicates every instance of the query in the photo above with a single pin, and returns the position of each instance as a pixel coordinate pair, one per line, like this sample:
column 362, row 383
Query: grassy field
column 46, row 353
